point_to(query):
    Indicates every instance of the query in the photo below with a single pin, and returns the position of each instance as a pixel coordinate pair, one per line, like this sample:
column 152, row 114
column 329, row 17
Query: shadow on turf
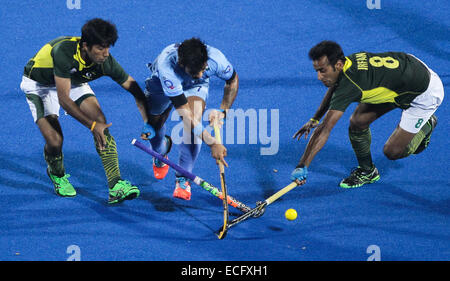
column 90, row 179
column 21, row 172
column 28, row 172
column 414, row 201
column 332, row 161
column 90, row 182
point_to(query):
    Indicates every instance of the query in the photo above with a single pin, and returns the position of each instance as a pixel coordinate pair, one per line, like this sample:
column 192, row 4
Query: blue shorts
column 158, row 101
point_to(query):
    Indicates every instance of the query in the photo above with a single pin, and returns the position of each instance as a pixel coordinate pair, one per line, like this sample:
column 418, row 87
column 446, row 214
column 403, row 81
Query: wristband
column 198, row 130
column 221, row 110
column 93, row 125
column 314, row 120
column 224, row 113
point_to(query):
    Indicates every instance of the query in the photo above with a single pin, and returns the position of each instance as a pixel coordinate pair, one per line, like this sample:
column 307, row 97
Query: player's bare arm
column 314, row 121
column 320, row 137
column 63, row 86
column 230, row 91
column 218, row 151
column 133, row 87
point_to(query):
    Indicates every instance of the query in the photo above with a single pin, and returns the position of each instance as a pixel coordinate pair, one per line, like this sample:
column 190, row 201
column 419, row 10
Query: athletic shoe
column 160, row 169
column 62, row 185
column 426, row 140
column 182, row 188
column 359, row 177
column 123, row 190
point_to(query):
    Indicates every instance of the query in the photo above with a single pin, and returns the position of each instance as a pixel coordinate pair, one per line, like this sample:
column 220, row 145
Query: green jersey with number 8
column 374, row 78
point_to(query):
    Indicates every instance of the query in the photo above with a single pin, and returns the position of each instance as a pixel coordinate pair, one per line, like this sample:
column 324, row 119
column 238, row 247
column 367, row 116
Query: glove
column 148, row 132
column 299, row 174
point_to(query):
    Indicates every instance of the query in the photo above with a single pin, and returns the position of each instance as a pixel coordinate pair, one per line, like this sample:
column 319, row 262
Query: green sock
column 109, row 159
column 55, row 163
column 417, row 140
column 361, row 141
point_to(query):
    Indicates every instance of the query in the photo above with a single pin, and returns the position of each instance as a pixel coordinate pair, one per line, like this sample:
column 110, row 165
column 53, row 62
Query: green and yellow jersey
column 61, row 57
column 374, row 78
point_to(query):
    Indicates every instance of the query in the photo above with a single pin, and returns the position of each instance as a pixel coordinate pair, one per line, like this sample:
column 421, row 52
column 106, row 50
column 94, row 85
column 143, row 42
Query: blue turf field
column 406, row 214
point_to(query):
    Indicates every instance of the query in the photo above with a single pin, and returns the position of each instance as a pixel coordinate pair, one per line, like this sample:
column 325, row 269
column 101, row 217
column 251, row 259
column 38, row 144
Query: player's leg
column 417, row 122
column 90, row 107
column 51, row 131
column 395, row 147
column 403, row 143
column 44, row 107
column 360, row 138
column 119, row 189
column 191, row 145
column 160, row 107
column 422, row 139
column 160, row 143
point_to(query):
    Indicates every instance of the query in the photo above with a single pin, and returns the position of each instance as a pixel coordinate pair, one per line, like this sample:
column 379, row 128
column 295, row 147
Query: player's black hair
column 99, row 32
column 192, row 53
column 330, row 49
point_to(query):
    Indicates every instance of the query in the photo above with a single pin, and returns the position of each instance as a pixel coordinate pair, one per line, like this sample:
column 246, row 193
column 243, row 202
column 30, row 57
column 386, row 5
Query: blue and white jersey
column 175, row 81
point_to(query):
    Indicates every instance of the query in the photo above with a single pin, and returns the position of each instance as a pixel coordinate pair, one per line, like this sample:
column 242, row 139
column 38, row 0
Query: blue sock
column 188, row 154
column 158, row 142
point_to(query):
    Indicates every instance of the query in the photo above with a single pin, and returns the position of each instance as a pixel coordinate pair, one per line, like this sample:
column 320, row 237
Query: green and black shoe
column 426, row 140
column 123, row 190
column 62, row 185
column 358, row 177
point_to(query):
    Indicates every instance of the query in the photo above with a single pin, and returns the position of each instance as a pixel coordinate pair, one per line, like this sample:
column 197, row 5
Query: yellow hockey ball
column 290, row 214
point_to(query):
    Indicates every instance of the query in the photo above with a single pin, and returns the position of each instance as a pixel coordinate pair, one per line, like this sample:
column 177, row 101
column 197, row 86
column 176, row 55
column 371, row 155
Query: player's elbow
column 233, row 79
column 233, row 82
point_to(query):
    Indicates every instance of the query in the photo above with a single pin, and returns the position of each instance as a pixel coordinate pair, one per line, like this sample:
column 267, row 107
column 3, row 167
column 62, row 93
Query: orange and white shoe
column 182, row 188
column 161, row 169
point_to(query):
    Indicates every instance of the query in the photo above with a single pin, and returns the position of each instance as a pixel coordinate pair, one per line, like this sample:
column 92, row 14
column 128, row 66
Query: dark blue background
column 406, row 213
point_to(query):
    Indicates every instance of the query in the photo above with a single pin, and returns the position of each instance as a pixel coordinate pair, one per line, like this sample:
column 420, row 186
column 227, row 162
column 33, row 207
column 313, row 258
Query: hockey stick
column 196, row 179
column 261, row 206
column 223, row 232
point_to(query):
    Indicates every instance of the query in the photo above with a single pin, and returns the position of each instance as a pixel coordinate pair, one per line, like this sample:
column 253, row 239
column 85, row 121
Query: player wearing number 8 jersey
column 379, row 82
